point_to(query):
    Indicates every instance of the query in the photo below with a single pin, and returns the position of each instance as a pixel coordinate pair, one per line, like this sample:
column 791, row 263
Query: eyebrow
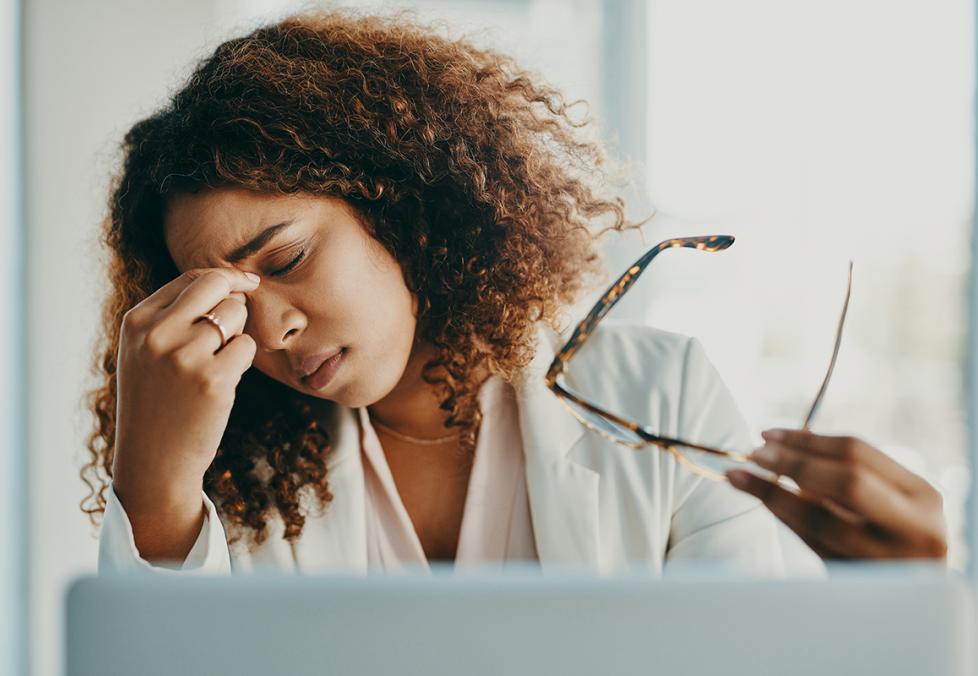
column 257, row 242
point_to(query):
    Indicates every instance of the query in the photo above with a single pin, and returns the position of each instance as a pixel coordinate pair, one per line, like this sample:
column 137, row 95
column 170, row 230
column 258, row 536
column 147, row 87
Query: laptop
column 520, row 623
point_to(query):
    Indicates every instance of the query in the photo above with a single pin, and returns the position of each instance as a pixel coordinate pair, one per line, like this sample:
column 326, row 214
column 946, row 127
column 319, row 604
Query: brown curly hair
column 475, row 177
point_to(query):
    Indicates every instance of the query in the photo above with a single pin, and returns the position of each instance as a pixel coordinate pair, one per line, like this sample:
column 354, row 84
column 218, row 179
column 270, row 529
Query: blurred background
column 815, row 132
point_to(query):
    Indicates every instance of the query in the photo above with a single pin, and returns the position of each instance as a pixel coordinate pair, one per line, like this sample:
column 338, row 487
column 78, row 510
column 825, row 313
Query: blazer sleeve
column 711, row 521
column 117, row 551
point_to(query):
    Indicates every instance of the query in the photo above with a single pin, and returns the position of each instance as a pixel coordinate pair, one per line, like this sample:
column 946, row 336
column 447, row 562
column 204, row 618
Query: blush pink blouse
column 496, row 525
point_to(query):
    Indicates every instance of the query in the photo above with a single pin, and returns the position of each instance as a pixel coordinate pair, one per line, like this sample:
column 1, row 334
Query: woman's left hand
column 855, row 501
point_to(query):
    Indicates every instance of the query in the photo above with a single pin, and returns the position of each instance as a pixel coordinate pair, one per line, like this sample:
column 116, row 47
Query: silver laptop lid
column 517, row 624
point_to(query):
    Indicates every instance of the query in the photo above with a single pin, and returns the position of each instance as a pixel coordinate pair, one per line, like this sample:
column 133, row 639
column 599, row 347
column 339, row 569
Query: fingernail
column 765, row 456
column 738, row 478
column 773, row 435
column 252, row 277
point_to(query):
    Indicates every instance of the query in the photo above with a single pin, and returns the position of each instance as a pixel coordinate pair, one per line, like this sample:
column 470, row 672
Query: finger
column 832, row 446
column 816, row 525
column 856, row 488
column 169, row 292
column 207, row 289
column 238, row 354
column 230, row 313
column 851, row 450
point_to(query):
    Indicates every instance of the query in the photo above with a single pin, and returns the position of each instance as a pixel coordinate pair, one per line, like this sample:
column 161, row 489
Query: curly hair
column 475, row 176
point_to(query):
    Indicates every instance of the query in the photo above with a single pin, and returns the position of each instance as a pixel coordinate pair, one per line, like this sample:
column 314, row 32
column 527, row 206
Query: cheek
column 395, row 304
column 370, row 285
column 383, row 317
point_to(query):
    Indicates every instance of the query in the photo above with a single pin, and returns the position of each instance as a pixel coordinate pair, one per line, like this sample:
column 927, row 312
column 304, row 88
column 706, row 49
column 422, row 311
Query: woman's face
column 326, row 285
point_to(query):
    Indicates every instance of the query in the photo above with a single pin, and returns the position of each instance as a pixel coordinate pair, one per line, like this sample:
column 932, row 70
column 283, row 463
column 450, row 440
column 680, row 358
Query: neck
column 412, row 408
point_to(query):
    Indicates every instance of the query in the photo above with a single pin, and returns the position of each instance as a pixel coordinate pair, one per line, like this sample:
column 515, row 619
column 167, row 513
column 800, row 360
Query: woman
column 385, row 225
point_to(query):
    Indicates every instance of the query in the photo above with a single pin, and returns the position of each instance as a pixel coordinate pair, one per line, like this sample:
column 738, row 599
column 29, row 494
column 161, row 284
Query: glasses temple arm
column 835, row 355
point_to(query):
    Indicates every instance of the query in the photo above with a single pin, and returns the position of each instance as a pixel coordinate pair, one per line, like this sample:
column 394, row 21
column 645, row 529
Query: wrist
column 166, row 518
column 146, row 493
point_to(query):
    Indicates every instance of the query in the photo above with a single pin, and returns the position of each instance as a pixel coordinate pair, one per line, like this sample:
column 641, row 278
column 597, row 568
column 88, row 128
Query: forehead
column 201, row 228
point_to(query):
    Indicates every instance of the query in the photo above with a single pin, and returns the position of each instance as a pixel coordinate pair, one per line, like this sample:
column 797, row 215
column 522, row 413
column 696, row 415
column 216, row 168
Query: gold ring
column 212, row 319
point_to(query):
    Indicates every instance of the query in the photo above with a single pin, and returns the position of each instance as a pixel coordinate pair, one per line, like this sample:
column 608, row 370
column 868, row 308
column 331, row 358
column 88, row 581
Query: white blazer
column 593, row 503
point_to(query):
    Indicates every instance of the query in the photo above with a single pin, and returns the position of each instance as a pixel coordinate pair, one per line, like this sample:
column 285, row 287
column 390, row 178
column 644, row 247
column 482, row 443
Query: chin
column 351, row 396
column 355, row 393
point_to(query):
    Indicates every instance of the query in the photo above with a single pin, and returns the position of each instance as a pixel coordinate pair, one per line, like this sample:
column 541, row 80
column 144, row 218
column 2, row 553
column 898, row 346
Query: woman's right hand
column 176, row 387
column 855, row 501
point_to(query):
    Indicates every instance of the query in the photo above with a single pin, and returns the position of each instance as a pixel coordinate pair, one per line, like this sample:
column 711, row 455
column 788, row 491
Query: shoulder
column 624, row 350
column 634, row 362
column 625, row 341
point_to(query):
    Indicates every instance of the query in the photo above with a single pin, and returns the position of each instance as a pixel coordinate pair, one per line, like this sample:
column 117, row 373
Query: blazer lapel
column 563, row 493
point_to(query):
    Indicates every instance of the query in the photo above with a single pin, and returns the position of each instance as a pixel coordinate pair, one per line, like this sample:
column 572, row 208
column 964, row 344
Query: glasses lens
column 714, row 466
column 604, row 425
column 713, row 463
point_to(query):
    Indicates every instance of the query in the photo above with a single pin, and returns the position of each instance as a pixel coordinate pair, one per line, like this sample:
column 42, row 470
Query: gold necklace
column 414, row 440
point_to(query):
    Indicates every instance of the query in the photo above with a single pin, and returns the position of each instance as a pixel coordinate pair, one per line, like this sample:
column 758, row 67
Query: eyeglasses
column 704, row 460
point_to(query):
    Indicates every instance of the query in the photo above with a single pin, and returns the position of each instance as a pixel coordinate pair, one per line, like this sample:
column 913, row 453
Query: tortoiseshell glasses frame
column 629, row 432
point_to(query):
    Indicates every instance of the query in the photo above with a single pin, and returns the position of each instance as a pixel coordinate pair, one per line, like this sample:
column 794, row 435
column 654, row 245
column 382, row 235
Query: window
column 815, row 133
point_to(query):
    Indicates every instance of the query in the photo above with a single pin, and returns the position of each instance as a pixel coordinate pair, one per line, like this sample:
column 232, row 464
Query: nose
column 273, row 324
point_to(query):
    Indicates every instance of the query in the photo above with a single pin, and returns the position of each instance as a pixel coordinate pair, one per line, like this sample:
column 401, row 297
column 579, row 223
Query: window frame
column 14, row 519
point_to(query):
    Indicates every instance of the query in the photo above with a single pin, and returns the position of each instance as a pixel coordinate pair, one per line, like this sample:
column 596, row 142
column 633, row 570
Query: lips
column 324, row 373
column 309, row 364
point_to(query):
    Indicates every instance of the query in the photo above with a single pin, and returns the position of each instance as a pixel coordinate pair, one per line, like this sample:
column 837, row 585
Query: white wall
column 818, row 132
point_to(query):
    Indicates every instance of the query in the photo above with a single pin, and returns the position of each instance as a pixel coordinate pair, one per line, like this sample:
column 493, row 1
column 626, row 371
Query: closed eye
column 290, row 265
